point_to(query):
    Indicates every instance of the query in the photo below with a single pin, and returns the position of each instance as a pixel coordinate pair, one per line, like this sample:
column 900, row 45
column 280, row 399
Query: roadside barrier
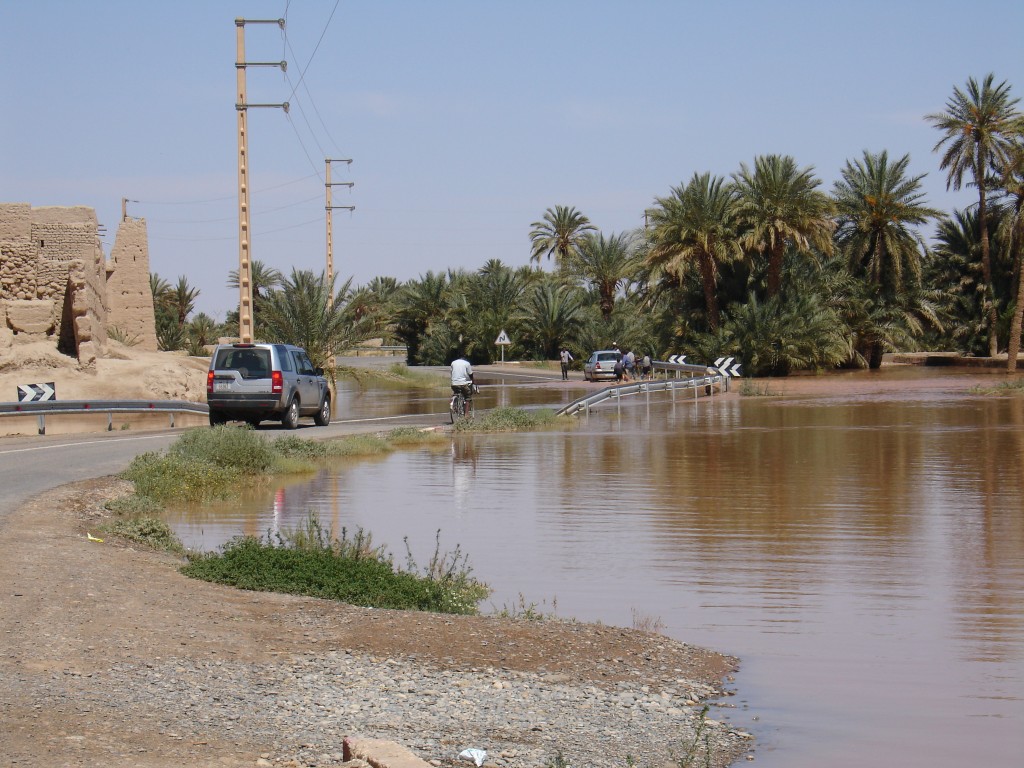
column 684, row 377
column 109, row 407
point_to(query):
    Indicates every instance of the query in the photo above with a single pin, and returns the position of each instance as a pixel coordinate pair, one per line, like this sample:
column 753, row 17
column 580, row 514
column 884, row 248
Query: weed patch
column 310, row 561
column 1014, row 387
column 149, row 531
column 508, row 420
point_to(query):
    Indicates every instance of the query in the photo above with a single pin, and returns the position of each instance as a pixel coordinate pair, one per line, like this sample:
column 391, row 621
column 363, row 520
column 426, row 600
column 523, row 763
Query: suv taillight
column 209, row 382
column 276, row 382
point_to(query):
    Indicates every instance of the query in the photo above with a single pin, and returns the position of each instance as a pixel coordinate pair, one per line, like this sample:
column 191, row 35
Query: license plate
column 222, row 386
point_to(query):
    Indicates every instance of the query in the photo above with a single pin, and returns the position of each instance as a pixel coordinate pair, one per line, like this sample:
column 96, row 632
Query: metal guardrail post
column 42, row 424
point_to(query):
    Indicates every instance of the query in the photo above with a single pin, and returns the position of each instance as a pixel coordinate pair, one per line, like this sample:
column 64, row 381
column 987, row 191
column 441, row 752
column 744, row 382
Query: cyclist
column 462, row 380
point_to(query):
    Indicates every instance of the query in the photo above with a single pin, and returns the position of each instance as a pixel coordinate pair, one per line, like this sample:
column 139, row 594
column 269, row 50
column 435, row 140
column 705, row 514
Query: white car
column 601, row 364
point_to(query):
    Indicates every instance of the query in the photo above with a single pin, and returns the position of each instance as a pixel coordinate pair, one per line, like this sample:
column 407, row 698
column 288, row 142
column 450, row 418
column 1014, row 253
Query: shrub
column 309, row 561
column 150, row 531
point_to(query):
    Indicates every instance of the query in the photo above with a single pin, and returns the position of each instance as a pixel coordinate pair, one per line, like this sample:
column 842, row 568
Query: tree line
column 761, row 264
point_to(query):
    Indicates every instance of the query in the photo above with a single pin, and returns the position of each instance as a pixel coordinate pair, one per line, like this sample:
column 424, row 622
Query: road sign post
column 502, row 341
column 37, row 393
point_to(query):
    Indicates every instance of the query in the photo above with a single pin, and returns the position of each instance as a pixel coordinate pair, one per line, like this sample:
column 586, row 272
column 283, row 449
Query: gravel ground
column 112, row 657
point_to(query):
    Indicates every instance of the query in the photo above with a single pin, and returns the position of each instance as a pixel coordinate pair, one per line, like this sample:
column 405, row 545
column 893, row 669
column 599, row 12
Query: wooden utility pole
column 245, row 317
column 330, row 231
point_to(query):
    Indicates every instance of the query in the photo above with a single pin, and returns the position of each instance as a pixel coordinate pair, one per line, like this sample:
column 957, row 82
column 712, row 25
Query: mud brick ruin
column 55, row 282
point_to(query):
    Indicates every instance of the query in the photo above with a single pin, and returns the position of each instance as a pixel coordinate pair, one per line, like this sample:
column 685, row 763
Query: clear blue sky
column 465, row 120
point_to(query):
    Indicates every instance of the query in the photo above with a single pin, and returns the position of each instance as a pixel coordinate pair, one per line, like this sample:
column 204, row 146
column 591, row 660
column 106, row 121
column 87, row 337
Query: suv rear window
column 251, row 363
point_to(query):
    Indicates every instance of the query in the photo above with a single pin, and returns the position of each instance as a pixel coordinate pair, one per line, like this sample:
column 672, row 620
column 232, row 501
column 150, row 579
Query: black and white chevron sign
column 31, row 393
column 677, row 359
column 726, row 367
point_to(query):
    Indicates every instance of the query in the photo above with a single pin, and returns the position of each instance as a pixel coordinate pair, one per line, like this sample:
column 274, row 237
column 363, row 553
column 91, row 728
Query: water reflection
column 864, row 557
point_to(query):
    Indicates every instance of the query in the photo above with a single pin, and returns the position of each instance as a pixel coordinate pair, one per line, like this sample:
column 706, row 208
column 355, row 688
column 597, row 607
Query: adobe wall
column 54, row 280
column 129, row 296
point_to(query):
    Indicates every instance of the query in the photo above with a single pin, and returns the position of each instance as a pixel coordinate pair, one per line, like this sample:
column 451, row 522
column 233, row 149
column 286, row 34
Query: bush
column 150, row 531
column 311, row 562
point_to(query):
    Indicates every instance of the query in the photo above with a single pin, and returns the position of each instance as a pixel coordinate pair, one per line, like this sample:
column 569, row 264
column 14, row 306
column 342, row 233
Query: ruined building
column 56, row 283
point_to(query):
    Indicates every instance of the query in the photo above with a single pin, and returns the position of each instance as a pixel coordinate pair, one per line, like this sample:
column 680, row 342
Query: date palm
column 878, row 205
column 976, row 134
column 307, row 312
column 1011, row 227
column 695, row 224
column 182, row 300
column 551, row 317
column 778, row 206
column 606, row 264
column 560, row 232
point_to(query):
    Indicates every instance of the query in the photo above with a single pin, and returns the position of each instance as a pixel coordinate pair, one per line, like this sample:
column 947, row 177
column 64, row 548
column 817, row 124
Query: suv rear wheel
column 323, row 416
column 216, row 418
column 290, row 420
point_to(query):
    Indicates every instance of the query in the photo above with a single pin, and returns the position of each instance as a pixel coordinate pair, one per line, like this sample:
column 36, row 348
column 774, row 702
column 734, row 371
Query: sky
column 464, row 119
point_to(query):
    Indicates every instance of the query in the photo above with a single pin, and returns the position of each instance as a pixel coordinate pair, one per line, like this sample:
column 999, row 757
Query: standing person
column 565, row 358
column 462, row 379
column 629, row 365
column 646, row 367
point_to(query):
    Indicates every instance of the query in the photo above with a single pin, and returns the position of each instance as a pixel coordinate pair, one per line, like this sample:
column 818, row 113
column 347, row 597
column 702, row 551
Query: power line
column 315, row 48
column 222, row 199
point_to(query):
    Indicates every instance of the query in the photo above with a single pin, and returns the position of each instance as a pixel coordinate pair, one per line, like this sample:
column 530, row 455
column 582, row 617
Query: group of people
column 629, row 368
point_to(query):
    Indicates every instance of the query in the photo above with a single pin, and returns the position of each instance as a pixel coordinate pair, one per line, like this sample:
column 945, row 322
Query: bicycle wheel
column 456, row 408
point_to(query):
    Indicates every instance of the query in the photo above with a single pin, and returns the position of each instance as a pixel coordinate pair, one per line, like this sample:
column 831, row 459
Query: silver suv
column 259, row 382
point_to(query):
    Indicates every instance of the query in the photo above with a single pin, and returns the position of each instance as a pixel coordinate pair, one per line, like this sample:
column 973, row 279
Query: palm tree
column 552, row 317
column 1011, row 227
column 560, row 232
column 877, row 206
column 779, row 205
column 607, row 264
column 304, row 312
column 182, row 300
column 264, row 280
column 976, row 128
column 202, row 330
column 160, row 289
column 695, row 224
column 419, row 303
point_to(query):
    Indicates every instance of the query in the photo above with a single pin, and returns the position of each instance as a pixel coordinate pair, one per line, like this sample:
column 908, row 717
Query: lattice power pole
column 330, row 231
column 245, row 317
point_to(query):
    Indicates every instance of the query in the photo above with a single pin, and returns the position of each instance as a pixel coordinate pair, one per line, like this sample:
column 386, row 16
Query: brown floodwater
column 863, row 555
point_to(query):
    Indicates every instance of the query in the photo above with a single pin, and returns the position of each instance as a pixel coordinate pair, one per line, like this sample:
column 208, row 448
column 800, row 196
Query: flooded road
column 863, row 555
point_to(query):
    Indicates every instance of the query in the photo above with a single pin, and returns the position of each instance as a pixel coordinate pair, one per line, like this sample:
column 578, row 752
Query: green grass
column 395, row 376
column 311, row 561
column 207, row 464
column 508, row 420
column 1013, row 387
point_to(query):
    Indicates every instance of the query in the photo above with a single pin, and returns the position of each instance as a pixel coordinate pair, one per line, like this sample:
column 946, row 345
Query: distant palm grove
column 762, row 265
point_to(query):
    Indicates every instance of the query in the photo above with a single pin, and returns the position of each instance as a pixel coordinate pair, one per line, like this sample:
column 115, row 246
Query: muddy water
column 864, row 556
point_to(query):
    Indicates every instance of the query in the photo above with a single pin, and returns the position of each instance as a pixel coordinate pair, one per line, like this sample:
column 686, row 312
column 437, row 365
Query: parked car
column 601, row 364
column 260, row 382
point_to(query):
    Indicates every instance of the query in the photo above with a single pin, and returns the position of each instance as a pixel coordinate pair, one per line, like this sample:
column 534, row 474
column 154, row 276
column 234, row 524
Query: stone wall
column 54, row 280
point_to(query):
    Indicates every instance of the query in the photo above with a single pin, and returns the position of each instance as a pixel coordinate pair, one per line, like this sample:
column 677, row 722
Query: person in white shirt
column 462, row 378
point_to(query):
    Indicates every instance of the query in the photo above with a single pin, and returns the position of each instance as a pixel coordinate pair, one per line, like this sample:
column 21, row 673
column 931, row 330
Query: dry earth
column 72, row 608
column 128, row 373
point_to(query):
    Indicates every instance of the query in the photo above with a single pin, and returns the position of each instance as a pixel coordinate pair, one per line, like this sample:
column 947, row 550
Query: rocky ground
column 112, row 657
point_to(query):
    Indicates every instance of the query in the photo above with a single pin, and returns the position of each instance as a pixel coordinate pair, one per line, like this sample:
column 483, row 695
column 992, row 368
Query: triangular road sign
column 502, row 339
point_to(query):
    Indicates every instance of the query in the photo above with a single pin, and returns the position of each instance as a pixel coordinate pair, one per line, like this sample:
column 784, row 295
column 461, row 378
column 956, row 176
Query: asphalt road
column 32, row 465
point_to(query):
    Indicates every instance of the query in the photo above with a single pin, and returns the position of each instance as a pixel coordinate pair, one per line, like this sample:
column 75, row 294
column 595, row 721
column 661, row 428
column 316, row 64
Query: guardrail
column 109, row 407
column 697, row 377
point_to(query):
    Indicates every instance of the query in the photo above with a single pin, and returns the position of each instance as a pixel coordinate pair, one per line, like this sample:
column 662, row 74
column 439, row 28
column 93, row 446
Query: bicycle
column 461, row 407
